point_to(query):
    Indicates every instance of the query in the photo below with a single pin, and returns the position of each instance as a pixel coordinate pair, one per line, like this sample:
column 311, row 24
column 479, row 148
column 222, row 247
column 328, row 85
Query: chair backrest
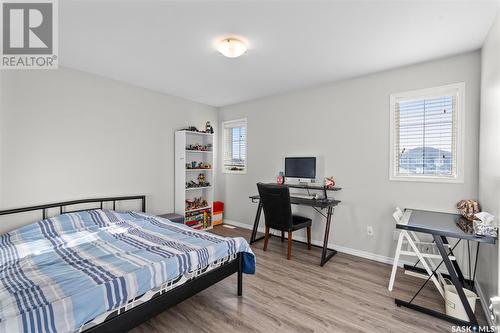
column 277, row 207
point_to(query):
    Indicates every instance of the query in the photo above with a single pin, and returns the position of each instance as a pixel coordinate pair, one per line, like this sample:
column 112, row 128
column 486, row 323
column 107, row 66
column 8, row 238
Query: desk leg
column 256, row 224
column 325, row 256
column 455, row 280
column 454, row 262
column 240, row 274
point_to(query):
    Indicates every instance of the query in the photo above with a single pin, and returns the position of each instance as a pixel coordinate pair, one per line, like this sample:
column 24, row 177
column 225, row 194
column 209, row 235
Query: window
column 235, row 146
column 426, row 134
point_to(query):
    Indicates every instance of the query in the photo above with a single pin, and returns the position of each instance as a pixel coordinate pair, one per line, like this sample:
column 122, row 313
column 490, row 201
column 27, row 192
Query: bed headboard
column 65, row 204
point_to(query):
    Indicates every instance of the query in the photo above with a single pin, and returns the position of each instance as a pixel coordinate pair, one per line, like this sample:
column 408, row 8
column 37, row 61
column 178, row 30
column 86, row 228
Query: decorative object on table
column 330, row 182
column 209, row 128
column 280, row 179
column 465, row 225
column 485, row 225
column 468, row 208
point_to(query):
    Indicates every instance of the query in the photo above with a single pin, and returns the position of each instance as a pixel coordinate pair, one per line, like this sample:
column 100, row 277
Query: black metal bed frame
column 61, row 205
column 145, row 311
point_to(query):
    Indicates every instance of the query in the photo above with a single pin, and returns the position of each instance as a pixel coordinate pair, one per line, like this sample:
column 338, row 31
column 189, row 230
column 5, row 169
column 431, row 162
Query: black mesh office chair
column 278, row 214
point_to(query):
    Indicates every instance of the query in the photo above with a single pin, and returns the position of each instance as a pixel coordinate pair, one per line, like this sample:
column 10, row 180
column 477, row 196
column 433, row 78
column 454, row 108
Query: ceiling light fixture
column 231, row 47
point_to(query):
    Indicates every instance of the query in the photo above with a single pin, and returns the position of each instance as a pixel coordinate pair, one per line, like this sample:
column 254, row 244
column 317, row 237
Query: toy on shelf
column 201, row 182
column 198, row 165
column 209, row 128
column 199, row 147
column 196, row 203
column 199, row 219
column 190, row 129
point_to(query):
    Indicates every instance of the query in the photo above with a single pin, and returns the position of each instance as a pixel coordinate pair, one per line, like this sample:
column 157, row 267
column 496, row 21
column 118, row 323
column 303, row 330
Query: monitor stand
column 300, row 181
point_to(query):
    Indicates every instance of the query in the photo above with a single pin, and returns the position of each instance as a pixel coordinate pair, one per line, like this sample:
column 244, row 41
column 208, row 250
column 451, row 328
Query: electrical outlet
column 369, row 230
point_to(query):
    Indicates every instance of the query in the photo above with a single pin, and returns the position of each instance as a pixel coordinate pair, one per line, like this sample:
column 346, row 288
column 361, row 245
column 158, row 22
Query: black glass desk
column 441, row 226
column 326, row 203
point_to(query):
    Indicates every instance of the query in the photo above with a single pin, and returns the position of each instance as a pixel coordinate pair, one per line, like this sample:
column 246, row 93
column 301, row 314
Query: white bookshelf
column 184, row 175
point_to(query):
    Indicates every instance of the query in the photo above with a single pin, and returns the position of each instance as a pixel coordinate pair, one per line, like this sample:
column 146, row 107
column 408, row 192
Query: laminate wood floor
column 348, row 294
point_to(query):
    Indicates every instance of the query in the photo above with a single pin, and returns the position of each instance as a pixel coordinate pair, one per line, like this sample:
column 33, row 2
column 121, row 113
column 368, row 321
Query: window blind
column 426, row 136
column 235, row 146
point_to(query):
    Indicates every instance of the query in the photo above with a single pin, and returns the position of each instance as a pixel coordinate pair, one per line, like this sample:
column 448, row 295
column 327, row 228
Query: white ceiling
column 168, row 46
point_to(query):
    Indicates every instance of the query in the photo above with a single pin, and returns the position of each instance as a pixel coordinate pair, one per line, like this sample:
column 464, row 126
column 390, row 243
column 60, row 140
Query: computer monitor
column 300, row 169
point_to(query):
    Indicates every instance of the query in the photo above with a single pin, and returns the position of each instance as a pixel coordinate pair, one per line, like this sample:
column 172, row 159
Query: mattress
column 70, row 272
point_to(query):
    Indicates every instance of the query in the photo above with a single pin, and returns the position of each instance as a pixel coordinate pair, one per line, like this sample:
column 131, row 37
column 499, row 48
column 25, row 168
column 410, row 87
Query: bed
column 100, row 270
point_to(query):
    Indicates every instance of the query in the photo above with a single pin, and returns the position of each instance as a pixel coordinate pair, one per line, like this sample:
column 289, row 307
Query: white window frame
column 457, row 89
column 224, row 124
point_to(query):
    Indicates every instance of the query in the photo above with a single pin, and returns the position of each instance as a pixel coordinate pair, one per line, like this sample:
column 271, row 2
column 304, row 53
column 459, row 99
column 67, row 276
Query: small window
column 426, row 134
column 235, row 146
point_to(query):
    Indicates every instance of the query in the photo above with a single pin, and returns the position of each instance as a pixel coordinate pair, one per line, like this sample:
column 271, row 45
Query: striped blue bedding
column 59, row 273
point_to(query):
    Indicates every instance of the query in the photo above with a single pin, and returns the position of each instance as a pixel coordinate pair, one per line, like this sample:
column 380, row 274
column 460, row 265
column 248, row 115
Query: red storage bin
column 218, row 213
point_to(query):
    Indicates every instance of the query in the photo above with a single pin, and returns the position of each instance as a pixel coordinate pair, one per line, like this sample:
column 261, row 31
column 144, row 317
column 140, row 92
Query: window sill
column 235, row 172
column 427, row 179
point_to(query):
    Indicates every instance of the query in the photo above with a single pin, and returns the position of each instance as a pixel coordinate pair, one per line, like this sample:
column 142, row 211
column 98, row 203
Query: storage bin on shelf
column 218, row 213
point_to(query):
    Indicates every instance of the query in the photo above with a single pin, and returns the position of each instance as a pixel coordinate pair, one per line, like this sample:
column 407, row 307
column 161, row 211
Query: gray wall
column 67, row 134
column 347, row 124
column 1, row 132
column 489, row 153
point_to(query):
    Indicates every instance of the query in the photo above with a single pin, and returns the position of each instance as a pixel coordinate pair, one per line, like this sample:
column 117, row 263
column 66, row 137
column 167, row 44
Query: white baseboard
column 238, row 224
column 343, row 249
column 366, row 255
